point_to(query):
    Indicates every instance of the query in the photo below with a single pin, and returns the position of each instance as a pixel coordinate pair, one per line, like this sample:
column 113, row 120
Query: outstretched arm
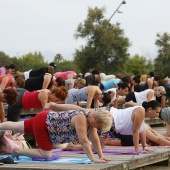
column 163, row 101
column 61, row 107
column 2, row 113
column 94, row 138
column 130, row 104
column 4, row 82
column 150, row 95
column 157, row 138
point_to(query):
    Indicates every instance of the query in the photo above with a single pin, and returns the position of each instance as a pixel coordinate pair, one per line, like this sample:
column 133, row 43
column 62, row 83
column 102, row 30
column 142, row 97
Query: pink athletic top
column 30, row 100
column 65, row 74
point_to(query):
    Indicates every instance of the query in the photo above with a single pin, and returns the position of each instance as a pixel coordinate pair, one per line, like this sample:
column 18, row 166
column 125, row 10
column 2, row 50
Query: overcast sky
column 48, row 26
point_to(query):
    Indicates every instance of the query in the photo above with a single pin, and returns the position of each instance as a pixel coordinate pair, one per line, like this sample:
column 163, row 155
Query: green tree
column 138, row 65
column 33, row 57
column 29, row 61
column 58, row 58
column 106, row 47
column 67, row 65
column 4, row 59
column 162, row 61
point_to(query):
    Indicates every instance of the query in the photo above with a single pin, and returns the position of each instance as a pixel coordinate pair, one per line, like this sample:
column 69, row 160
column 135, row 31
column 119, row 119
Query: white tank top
column 142, row 96
column 123, row 121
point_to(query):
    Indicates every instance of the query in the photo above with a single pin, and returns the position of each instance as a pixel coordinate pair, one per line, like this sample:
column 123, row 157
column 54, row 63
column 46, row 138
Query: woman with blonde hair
column 51, row 127
column 75, row 83
column 128, row 121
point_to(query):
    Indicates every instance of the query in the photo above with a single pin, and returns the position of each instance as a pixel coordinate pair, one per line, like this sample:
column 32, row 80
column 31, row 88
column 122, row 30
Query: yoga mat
column 57, row 161
column 109, row 152
column 54, row 157
column 128, row 152
column 60, row 151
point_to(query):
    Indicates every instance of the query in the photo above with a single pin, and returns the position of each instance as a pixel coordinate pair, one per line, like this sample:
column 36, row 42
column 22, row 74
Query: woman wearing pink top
column 6, row 77
column 6, row 80
column 66, row 75
column 12, row 68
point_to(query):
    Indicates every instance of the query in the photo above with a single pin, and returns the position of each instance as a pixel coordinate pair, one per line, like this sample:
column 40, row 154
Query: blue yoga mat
column 57, row 161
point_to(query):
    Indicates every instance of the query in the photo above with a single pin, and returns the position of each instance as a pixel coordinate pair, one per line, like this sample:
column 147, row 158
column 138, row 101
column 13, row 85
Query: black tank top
column 38, row 72
column 35, row 83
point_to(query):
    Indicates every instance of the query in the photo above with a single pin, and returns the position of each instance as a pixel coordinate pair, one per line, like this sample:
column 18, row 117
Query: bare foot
column 72, row 147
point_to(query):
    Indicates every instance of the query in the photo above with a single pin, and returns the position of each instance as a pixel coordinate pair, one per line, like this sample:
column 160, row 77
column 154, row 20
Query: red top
column 30, row 100
column 9, row 81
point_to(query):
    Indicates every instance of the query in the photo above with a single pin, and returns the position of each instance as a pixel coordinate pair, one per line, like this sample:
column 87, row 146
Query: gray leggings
column 165, row 114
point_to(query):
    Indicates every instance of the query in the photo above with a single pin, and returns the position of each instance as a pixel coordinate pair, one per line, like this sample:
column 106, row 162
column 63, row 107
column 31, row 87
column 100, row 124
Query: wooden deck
column 119, row 162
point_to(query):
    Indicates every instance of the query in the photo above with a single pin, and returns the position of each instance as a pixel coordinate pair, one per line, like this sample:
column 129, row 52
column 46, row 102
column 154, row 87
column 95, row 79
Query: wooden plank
column 118, row 161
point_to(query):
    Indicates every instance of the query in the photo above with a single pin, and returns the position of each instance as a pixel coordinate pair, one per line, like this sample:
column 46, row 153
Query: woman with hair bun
column 164, row 114
column 130, row 121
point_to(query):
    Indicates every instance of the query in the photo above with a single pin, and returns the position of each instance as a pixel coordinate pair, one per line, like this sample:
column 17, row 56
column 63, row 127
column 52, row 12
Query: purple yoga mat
column 121, row 152
column 104, row 151
column 60, row 151
column 54, row 157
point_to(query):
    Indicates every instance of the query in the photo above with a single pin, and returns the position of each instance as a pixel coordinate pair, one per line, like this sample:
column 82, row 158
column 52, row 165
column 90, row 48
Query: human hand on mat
column 106, row 159
column 100, row 160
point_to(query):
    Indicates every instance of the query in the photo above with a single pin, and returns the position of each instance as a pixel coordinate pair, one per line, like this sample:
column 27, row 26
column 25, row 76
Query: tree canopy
column 138, row 65
column 162, row 61
column 106, row 48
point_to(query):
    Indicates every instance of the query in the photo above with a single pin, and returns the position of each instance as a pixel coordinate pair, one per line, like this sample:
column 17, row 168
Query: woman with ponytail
column 130, row 121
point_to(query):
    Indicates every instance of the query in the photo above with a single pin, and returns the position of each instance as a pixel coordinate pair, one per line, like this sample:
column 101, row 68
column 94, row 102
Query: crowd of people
column 114, row 114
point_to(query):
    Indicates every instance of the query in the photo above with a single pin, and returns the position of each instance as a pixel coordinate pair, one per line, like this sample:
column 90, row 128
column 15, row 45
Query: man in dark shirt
column 38, row 72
